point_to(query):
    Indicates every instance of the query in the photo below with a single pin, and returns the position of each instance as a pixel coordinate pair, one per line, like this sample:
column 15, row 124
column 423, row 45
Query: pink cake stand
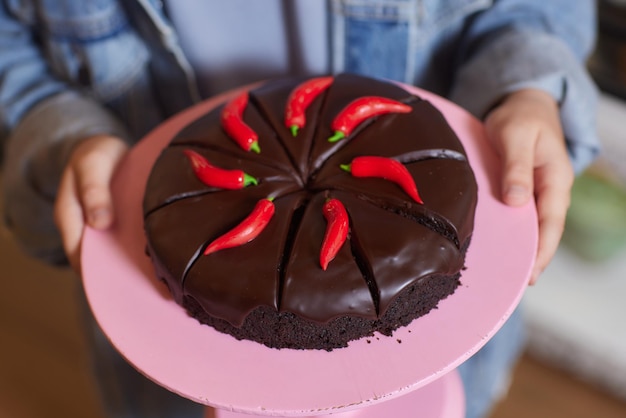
column 240, row 377
column 443, row 398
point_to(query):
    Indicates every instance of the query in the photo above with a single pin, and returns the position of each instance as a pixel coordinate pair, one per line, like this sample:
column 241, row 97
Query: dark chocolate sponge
column 400, row 259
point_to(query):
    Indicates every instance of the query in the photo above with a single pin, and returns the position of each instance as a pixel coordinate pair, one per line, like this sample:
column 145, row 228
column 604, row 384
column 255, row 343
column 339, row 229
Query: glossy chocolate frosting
column 394, row 244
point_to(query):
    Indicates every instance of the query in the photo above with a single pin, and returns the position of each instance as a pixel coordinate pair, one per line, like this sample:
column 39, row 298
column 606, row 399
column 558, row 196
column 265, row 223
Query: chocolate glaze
column 400, row 258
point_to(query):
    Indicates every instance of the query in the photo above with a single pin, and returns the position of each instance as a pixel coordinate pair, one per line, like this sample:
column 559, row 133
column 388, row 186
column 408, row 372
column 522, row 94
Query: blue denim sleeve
column 41, row 119
column 36, row 153
column 25, row 76
column 539, row 44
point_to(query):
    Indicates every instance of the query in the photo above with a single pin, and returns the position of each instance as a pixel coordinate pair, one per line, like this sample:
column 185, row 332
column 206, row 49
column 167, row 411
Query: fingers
column 526, row 132
column 84, row 196
column 68, row 216
column 553, row 186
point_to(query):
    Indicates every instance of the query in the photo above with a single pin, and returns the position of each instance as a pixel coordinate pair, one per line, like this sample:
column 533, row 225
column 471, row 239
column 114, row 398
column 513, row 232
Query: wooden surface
column 540, row 391
column 44, row 367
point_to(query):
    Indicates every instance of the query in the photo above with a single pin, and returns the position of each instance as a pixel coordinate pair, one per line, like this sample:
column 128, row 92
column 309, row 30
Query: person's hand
column 84, row 196
column 526, row 132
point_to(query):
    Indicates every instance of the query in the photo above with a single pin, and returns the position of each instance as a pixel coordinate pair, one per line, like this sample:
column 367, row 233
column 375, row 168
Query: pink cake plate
column 159, row 339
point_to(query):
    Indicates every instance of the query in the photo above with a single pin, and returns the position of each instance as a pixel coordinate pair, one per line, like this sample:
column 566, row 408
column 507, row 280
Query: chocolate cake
column 353, row 217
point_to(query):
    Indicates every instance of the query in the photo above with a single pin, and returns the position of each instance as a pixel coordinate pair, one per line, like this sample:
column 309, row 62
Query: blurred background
column 576, row 313
column 575, row 363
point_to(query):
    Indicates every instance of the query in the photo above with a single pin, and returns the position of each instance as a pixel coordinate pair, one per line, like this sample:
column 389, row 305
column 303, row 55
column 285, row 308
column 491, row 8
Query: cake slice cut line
column 294, row 226
column 365, row 267
column 265, row 175
column 321, row 160
column 229, row 153
column 421, row 215
column 427, row 154
column 321, row 97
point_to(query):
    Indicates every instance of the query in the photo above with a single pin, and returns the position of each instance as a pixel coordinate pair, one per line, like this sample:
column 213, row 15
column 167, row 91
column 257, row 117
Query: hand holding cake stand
column 414, row 370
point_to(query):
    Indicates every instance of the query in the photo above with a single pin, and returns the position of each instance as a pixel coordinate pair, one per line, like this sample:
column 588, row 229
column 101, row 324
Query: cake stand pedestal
column 396, row 373
column 443, row 398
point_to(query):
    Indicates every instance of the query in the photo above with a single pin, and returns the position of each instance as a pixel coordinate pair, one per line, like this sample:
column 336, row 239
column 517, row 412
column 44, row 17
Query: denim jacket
column 74, row 68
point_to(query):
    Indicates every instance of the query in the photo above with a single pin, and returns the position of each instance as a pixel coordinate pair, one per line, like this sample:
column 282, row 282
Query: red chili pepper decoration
column 361, row 109
column 300, row 99
column 235, row 127
column 386, row 168
column 218, row 177
column 247, row 230
column 336, row 230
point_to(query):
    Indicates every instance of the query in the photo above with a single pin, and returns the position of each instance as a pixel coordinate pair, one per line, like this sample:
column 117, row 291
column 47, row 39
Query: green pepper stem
column 346, row 167
column 255, row 147
column 294, row 130
column 248, row 180
column 337, row 136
